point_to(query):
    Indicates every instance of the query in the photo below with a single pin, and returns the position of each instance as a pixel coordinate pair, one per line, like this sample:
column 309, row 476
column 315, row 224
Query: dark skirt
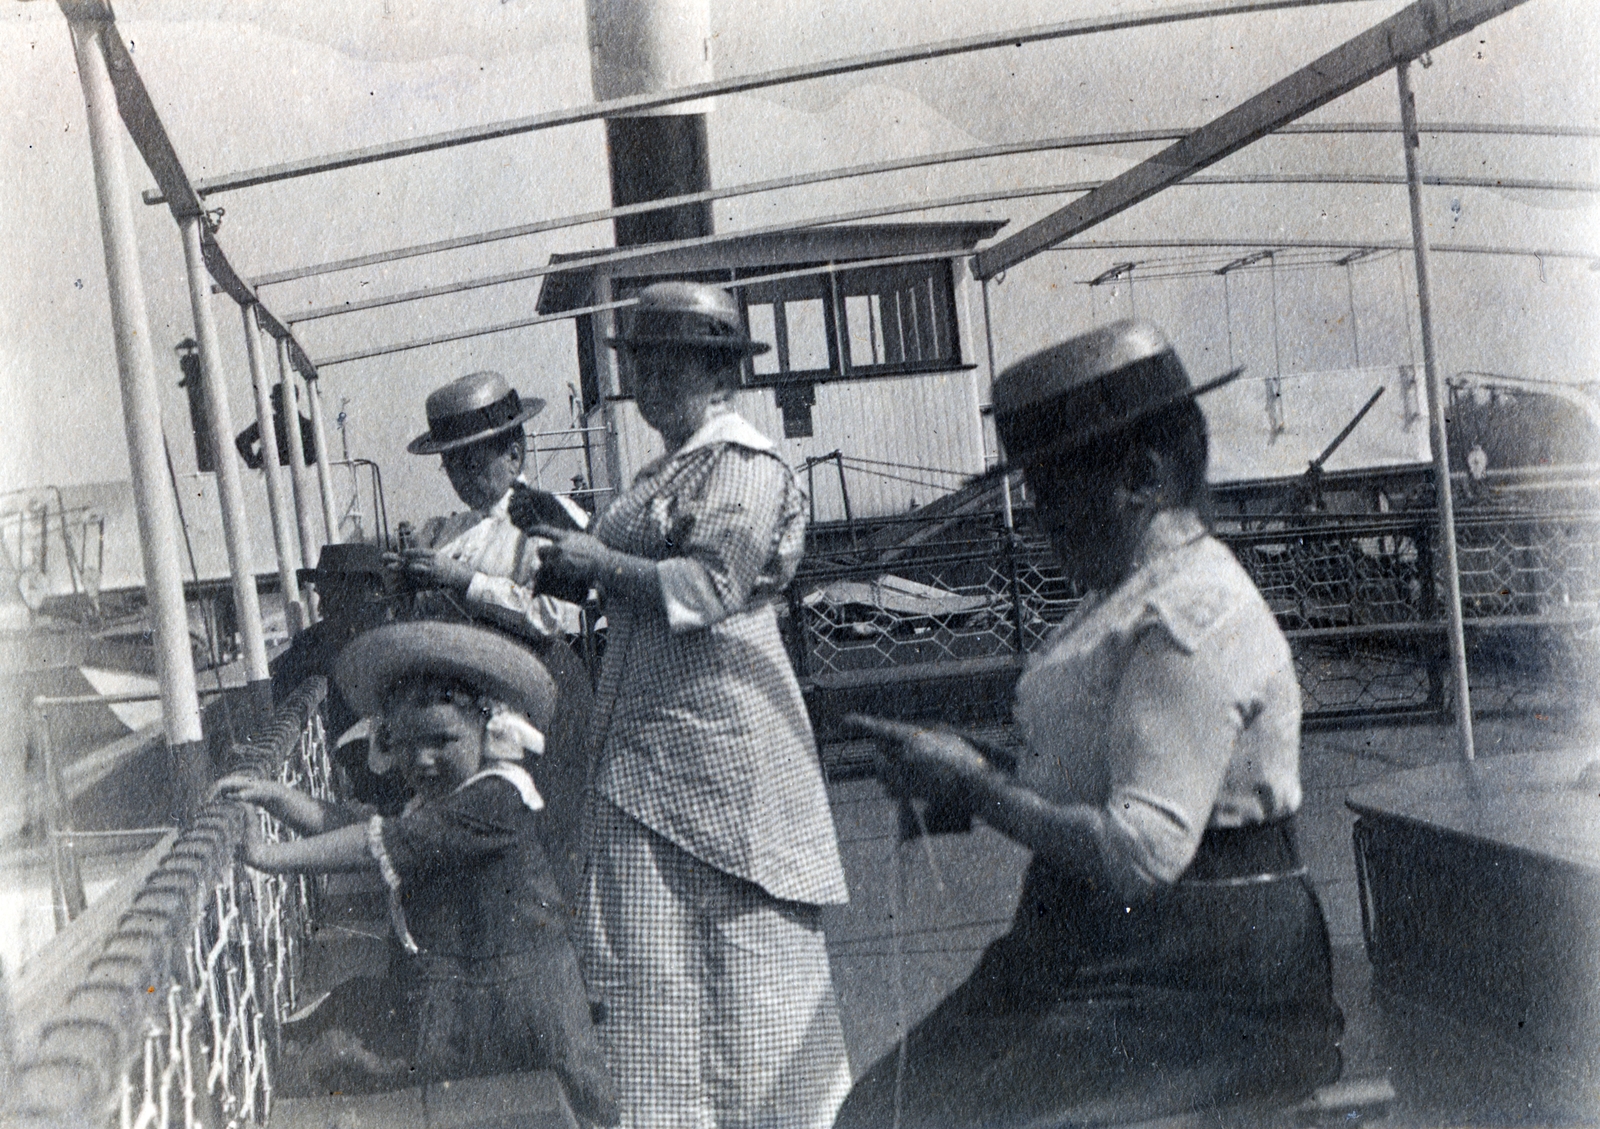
column 432, row 1021
column 1089, row 1011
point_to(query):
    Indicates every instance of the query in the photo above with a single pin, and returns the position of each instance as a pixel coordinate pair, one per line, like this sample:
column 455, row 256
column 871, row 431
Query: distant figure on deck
column 353, row 590
column 483, row 978
column 1168, row 953
column 476, row 562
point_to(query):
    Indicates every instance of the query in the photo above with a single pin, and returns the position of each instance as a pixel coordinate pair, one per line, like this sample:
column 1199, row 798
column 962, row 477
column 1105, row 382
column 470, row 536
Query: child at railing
column 483, row 979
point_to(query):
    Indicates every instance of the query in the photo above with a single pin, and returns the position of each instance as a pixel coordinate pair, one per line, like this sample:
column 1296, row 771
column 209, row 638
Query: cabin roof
column 570, row 290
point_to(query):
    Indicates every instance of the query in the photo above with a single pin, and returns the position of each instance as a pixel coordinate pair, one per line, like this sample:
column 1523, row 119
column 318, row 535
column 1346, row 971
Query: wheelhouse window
column 898, row 318
column 853, row 323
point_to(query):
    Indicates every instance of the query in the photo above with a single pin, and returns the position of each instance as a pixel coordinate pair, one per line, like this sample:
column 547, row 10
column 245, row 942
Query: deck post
column 235, row 533
column 283, row 537
column 1437, row 405
column 141, row 417
column 319, row 442
column 309, row 545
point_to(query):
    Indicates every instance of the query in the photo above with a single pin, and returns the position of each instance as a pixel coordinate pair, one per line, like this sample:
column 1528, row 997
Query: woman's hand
column 426, row 568
column 573, row 554
column 924, row 763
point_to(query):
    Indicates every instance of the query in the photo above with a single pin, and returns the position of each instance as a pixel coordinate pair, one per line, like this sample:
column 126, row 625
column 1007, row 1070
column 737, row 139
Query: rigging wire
column 1350, row 293
column 1275, row 385
column 1227, row 308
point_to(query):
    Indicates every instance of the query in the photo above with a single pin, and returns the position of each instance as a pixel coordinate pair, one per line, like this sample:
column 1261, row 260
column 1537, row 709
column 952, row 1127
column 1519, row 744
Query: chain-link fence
column 176, row 1020
column 1359, row 596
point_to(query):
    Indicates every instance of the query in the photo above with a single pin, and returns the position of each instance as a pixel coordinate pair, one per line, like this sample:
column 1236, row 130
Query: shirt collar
column 1169, row 531
column 727, row 427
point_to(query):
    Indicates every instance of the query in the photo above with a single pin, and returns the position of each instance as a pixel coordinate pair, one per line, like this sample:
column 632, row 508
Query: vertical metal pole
column 309, row 545
column 235, row 533
column 988, row 337
column 282, row 532
column 1436, row 420
column 141, row 412
column 319, row 444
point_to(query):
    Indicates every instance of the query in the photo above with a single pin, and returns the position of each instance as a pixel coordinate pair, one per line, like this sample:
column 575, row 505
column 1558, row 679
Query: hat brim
column 426, row 444
column 1074, row 439
column 322, row 576
column 489, row 662
column 739, row 346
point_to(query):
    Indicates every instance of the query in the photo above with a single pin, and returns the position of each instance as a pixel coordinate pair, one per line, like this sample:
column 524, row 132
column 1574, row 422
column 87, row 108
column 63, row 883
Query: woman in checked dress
column 711, row 846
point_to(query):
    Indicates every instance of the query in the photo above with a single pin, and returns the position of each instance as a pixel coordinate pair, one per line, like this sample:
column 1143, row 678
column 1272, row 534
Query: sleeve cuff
column 688, row 595
column 391, row 879
column 1147, row 842
column 477, row 589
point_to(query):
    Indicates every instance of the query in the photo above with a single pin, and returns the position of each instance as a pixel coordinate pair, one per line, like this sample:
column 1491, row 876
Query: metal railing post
column 235, row 533
column 67, row 898
column 1015, row 579
column 1436, row 414
column 283, row 538
column 141, row 404
column 319, row 443
column 309, row 545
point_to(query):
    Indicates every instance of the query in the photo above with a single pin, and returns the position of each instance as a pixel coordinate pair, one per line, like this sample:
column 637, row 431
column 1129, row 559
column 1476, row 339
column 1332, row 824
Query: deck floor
column 944, row 930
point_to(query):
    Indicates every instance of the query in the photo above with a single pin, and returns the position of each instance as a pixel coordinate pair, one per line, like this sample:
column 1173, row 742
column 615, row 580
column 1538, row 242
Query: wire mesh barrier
column 1359, row 596
column 176, row 1020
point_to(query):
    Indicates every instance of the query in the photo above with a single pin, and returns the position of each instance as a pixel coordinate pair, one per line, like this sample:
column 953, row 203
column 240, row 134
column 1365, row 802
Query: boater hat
column 1088, row 389
column 347, row 559
column 487, row 661
column 686, row 313
column 471, row 408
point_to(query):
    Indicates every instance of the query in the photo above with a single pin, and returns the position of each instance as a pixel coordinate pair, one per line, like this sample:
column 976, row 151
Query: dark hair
column 725, row 368
column 1177, row 433
column 423, row 688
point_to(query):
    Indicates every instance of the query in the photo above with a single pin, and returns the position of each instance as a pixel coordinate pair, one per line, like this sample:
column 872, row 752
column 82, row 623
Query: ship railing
column 1360, row 597
column 171, row 1014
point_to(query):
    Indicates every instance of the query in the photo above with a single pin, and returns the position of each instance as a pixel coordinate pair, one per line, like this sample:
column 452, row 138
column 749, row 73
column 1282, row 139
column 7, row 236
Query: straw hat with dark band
column 471, row 409
column 488, row 662
column 1088, row 389
column 686, row 313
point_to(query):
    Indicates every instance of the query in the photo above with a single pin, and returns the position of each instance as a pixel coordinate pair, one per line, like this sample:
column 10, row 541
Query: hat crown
column 711, row 302
column 470, row 393
column 350, row 557
column 492, row 664
column 1076, row 363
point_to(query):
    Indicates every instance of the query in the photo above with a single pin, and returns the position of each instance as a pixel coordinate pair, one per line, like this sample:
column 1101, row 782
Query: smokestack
column 646, row 47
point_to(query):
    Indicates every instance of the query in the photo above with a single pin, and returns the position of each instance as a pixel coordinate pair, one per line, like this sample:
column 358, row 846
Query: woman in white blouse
column 1168, row 953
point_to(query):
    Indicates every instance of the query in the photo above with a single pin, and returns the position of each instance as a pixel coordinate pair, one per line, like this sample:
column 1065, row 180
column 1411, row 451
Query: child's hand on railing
column 295, row 808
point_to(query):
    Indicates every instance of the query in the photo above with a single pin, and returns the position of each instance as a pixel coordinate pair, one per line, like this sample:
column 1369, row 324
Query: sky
column 247, row 83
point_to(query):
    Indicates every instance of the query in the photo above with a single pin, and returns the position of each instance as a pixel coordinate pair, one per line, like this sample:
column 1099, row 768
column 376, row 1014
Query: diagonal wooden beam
column 1411, row 32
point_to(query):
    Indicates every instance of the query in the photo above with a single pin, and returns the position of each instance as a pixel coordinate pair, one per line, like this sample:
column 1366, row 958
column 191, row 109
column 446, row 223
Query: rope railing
column 176, row 1021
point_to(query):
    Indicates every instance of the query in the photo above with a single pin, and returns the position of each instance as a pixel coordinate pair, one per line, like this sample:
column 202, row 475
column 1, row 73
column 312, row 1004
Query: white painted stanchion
column 310, row 546
column 283, row 536
column 319, row 444
column 1437, row 405
column 235, row 533
column 141, row 407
